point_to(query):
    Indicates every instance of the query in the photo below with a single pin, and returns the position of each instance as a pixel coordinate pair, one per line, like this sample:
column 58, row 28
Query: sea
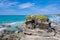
column 11, row 19
column 14, row 19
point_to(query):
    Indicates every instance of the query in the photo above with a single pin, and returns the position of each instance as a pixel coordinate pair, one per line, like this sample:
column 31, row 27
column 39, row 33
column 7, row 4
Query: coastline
column 32, row 34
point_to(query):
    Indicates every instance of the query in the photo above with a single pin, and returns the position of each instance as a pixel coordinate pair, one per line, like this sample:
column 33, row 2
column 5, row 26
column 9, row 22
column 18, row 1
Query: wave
column 15, row 23
column 54, row 18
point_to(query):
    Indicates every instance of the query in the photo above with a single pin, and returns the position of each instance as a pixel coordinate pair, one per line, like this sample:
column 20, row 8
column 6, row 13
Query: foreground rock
column 31, row 37
column 13, row 37
column 36, row 34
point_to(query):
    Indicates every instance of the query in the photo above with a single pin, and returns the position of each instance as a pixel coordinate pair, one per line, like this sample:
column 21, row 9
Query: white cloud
column 6, row 4
column 49, row 9
column 31, row 8
column 26, row 5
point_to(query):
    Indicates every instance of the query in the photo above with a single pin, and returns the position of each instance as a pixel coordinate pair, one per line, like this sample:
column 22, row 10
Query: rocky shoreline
column 32, row 29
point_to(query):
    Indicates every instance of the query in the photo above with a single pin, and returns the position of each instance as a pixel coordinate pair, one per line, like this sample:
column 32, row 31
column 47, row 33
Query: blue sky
column 28, row 7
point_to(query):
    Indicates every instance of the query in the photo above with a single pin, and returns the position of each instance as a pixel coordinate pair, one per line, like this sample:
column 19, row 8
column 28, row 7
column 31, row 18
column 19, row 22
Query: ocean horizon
column 21, row 18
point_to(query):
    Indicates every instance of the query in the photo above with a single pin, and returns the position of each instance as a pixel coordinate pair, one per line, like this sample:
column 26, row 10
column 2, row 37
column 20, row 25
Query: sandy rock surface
column 30, row 37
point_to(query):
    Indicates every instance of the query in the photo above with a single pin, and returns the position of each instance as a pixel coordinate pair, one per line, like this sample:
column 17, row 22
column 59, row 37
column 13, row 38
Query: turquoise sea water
column 19, row 18
column 11, row 18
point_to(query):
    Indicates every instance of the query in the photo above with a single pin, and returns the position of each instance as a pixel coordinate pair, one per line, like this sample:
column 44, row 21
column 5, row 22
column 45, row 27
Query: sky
column 28, row 7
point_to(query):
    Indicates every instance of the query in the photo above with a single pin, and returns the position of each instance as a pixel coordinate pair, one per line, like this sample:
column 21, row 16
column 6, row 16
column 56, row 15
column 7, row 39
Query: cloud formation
column 52, row 8
column 16, row 8
column 26, row 5
column 4, row 4
column 49, row 9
